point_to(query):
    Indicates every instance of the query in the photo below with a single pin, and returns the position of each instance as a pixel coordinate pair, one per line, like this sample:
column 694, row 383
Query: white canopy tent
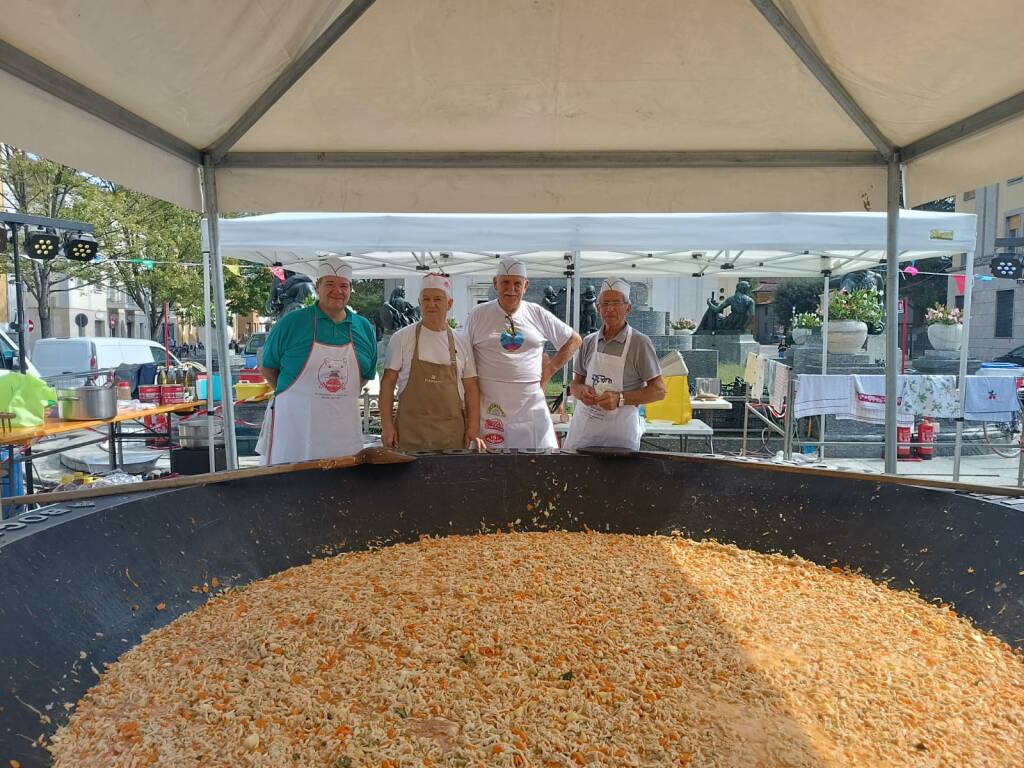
column 474, row 106
column 640, row 245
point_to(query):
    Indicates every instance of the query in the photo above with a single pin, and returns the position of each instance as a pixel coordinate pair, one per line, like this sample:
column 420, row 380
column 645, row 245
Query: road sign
column 31, row 325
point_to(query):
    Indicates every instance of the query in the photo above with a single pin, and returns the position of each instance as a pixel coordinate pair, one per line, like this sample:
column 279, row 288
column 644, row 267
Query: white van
column 53, row 357
column 9, row 355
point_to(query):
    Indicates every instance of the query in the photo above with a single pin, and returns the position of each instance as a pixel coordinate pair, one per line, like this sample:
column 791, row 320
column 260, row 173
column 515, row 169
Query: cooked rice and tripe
column 557, row 649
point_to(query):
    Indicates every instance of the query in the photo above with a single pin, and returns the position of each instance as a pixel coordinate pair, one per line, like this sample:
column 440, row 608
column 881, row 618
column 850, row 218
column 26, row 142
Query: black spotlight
column 81, row 247
column 1006, row 265
column 42, row 244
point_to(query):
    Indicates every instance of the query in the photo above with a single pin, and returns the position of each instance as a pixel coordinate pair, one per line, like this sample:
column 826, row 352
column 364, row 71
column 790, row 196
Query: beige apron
column 431, row 416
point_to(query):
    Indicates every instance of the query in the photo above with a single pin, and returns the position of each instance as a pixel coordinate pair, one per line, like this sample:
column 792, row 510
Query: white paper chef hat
column 615, row 284
column 510, row 265
column 437, row 280
column 331, row 266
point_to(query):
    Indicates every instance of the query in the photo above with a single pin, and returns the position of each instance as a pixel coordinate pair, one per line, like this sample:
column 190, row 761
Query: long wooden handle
column 190, row 481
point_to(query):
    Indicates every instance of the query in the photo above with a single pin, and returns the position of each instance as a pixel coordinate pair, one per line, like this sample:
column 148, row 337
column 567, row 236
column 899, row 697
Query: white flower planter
column 800, row 335
column 947, row 338
column 846, row 337
column 680, row 331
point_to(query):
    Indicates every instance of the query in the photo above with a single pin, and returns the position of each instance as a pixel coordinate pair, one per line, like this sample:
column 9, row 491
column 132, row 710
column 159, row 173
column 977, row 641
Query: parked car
column 54, row 357
column 1015, row 356
column 254, row 346
column 9, row 356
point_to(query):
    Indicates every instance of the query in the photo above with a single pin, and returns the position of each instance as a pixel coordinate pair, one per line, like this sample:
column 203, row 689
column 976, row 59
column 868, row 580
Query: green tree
column 796, row 295
column 38, row 187
column 921, row 291
column 367, row 297
column 133, row 228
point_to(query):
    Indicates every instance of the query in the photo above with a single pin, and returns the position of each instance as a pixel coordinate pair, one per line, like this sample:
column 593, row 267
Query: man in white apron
column 317, row 359
column 615, row 372
column 508, row 337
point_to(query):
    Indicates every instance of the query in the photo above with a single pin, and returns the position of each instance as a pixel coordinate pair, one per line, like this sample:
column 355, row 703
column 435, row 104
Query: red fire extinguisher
column 903, row 442
column 926, row 439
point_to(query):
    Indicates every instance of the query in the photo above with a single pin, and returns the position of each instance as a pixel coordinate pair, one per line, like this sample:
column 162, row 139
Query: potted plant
column 804, row 325
column 848, row 318
column 945, row 327
column 682, row 327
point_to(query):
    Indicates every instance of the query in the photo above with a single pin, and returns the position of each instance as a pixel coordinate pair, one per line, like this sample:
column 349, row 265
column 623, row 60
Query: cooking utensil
column 371, row 455
column 195, row 432
column 87, row 403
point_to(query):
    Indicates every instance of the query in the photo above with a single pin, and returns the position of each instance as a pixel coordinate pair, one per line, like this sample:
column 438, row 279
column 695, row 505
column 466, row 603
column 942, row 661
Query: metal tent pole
column 964, row 351
column 577, row 268
column 19, row 301
column 892, row 290
column 570, row 272
column 220, row 307
column 826, row 274
column 787, row 419
column 208, row 349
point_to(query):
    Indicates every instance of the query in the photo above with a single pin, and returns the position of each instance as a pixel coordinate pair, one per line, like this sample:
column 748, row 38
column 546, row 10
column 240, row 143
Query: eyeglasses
column 611, row 304
column 511, row 325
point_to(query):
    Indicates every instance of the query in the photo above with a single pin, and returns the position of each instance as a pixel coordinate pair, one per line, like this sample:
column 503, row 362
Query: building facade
column 997, row 314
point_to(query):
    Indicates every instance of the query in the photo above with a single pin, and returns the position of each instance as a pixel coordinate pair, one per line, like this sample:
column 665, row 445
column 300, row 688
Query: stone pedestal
column 732, row 348
column 936, row 362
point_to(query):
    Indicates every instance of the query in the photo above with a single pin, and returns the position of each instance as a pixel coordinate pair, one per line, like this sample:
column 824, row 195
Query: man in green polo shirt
column 317, row 359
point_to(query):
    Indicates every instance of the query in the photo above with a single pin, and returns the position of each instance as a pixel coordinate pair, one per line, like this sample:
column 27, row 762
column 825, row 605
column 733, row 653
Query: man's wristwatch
column 622, row 399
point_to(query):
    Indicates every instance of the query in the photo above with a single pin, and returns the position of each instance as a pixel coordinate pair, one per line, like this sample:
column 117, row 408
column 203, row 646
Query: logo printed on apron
column 332, row 376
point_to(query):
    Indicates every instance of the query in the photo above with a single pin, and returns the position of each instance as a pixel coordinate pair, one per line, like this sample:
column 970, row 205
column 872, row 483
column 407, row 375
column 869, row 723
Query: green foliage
column 809, row 320
column 248, row 291
column 149, row 248
column 39, row 187
column 367, row 296
column 132, row 227
column 860, row 305
column 923, row 291
column 795, row 296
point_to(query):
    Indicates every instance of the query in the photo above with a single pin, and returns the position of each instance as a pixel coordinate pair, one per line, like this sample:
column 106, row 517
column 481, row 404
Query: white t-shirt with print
column 433, row 349
column 502, row 356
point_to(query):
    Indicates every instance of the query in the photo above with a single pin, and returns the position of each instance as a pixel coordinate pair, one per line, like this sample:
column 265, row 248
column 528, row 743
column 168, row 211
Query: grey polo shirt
column 641, row 362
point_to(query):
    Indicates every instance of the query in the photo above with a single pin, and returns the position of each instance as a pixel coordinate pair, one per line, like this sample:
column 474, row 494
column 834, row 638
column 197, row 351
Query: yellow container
column 245, row 390
column 676, row 405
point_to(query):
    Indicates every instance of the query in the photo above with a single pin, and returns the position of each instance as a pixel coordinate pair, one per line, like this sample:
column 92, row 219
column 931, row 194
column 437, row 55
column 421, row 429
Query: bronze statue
column 396, row 313
column 856, row 281
column 289, row 294
column 741, row 312
column 588, row 311
column 550, row 300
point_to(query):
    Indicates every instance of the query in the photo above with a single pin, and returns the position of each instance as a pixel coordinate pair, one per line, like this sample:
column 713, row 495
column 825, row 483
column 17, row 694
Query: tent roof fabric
column 568, row 76
column 750, row 244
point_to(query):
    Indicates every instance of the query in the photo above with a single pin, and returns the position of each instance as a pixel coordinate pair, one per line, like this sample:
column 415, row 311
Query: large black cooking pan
column 79, row 586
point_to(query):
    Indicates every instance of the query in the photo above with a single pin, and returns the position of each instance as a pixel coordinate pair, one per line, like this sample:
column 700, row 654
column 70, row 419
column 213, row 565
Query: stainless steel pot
column 87, row 403
column 195, row 432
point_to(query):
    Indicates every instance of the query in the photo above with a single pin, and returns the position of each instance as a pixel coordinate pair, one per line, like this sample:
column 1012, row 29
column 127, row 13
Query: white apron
column 317, row 416
column 591, row 425
column 515, row 415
